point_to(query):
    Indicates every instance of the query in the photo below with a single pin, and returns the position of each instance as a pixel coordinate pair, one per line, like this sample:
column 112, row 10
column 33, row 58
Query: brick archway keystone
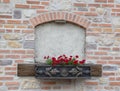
column 67, row 16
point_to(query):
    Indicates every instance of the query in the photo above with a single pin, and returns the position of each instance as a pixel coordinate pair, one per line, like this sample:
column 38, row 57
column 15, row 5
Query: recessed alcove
column 55, row 39
column 59, row 33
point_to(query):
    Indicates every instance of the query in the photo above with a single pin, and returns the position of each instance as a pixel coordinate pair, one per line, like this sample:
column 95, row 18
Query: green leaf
column 49, row 61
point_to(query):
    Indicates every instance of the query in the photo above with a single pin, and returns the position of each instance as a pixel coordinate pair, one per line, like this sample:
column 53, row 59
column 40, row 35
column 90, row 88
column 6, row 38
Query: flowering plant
column 64, row 60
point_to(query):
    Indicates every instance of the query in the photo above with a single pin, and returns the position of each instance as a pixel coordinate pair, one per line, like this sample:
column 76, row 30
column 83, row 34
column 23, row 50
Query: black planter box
column 67, row 71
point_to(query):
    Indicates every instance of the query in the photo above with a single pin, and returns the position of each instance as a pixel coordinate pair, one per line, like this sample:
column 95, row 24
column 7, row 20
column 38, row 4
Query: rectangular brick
column 101, row 1
column 94, row 5
column 91, row 83
column 24, row 6
column 27, row 31
column 9, row 26
column 13, row 21
column 19, row 61
column 42, row 10
column 13, row 83
column 90, row 14
column 1, row 83
column 116, row 10
column 104, row 48
column 9, row 30
column 107, row 58
column 105, row 25
column 45, row 3
column 1, row 56
column 27, row 56
column 30, row 51
column 2, row 30
column 116, row 49
column 32, row 2
column 12, row 56
column 21, row 26
column 6, row 78
column 37, row 7
column 6, row 16
column 2, row 21
column 102, row 62
column 13, row 88
column 117, row 30
column 10, row 73
column 107, row 73
column 80, row 4
column 114, row 62
column 6, row 1
column 117, row 5
column 115, row 83
column 18, row 51
column 107, row 30
column 107, row 5
column 10, row 68
column 4, row 51
column 110, row 1
column 100, row 53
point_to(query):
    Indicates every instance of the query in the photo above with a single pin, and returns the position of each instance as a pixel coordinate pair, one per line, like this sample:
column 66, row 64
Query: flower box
column 67, row 71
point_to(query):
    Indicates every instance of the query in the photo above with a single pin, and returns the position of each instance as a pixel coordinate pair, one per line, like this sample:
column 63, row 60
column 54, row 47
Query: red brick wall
column 101, row 21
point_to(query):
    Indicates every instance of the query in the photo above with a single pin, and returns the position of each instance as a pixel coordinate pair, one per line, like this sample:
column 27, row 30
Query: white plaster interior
column 54, row 39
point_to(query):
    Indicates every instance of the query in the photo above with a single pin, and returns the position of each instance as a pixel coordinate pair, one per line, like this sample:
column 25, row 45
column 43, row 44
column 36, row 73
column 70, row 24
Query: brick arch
column 60, row 15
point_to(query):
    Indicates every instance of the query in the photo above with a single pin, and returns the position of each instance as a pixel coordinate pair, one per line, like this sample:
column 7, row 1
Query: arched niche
column 57, row 38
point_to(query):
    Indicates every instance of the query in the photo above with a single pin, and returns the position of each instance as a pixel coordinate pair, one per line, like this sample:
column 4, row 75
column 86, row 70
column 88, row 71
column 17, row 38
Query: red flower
column 75, row 62
column 45, row 57
column 82, row 62
column 77, row 56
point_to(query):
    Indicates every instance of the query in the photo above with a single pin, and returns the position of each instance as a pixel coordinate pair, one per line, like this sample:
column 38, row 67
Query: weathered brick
column 2, row 21
column 107, row 5
column 90, row 14
column 19, row 61
column 45, row 3
column 46, row 87
column 94, row 5
column 12, row 56
column 114, row 83
column 4, row 51
column 10, row 68
column 24, row 6
column 27, row 56
column 101, row 1
column 13, row 83
column 116, row 10
column 100, row 53
column 1, row 83
column 10, row 73
column 9, row 26
column 13, row 88
column 6, row 78
column 6, row 1
column 80, row 4
column 18, row 51
column 13, row 21
column 37, row 7
column 6, row 16
column 33, row 2
column 91, row 83
column 111, row 73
